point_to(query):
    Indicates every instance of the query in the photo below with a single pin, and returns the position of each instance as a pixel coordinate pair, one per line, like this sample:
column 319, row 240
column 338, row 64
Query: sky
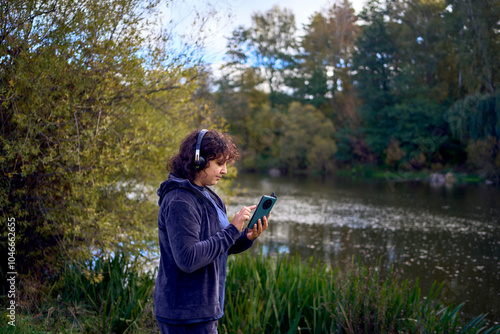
column 217, row 19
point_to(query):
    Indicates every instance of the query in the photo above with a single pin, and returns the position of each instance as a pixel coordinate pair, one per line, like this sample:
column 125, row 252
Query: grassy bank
column 263, row 295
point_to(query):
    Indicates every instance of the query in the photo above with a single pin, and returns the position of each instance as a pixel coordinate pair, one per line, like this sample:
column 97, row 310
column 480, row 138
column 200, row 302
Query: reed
column 285, row 295
column 115, row 289
column 263, row 295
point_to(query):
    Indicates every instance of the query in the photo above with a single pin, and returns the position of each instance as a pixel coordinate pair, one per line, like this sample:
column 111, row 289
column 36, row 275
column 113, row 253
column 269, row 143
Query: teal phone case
column 263, row 209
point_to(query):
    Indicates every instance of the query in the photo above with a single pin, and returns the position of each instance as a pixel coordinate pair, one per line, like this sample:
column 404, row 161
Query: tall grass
column 114, row 288
column 263, row 295
column 266, row 295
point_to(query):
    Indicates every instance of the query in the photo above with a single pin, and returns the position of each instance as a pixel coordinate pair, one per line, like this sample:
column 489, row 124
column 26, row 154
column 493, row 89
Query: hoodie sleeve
column 183, row 224
column 241, row 244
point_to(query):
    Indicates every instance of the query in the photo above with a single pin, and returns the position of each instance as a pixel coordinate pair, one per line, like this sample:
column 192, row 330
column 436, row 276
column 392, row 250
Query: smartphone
column 263, row 209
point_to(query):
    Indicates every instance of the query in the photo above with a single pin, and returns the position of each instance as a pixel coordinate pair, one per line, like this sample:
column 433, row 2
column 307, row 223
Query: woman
column 196, row 236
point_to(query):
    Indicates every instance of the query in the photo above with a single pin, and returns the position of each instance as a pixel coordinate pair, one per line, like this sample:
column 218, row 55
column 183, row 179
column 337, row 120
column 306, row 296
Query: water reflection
column 449, row 235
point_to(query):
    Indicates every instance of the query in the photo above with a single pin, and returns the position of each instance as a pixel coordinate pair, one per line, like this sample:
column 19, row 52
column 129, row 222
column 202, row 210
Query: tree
column 308, row 141
column 373, row 60
column 404, row 65
column 426, row 51
column 238, row 101
column 476, row 116
column 483, row 157
column 327, row 46
column 475, row 26
column 267, row 46
column 91, row 106
column 413, row 130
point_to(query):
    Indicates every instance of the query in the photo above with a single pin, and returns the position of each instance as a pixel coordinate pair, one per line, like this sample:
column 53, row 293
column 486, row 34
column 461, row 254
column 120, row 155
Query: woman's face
column 211, row 174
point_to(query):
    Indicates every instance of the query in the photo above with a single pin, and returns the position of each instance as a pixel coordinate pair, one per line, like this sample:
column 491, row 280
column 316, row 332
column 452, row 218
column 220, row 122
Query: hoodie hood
column 173, row 182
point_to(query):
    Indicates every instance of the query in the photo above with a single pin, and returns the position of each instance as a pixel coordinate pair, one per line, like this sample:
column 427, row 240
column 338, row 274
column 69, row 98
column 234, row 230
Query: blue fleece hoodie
column 192, row 246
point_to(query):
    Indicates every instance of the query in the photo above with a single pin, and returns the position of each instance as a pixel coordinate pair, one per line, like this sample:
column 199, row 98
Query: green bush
column 483, row 157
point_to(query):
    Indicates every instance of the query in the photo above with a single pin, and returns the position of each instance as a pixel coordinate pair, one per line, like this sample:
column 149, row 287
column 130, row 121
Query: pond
column 448, row 234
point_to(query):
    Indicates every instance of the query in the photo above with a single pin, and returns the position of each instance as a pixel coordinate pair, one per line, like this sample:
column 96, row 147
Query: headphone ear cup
column 201, row 163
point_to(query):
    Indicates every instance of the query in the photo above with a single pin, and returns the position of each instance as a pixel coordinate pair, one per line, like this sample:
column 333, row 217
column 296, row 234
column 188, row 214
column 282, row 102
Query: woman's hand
column 242, row 216
column 257, row 229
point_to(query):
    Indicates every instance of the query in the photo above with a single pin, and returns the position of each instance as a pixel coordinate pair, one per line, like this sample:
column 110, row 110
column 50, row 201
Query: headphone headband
column 199, row 161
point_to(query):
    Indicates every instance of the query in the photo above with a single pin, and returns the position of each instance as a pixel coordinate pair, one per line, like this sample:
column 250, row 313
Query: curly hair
column 215, row 145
